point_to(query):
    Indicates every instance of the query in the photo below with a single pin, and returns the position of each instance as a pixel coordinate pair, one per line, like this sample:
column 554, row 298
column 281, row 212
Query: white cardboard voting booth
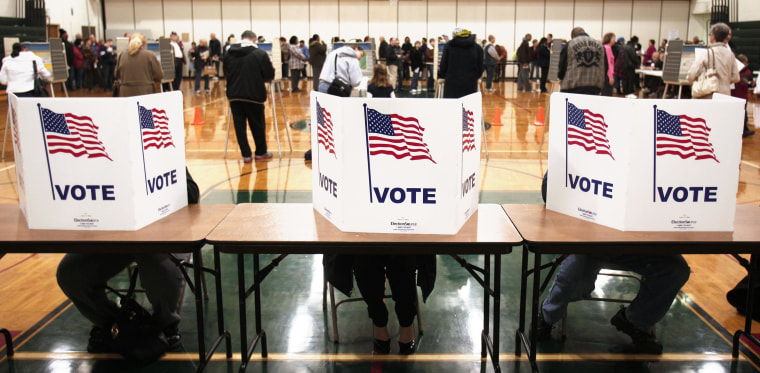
column 99, row 163
column 396, row 165
column 645, row 165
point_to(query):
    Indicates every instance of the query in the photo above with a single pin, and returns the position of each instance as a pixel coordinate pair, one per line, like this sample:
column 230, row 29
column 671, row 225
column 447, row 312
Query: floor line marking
column 9, row 167
column 549, row 357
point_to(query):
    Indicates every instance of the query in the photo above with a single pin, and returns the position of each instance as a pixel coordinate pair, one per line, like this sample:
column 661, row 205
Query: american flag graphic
column 683, row 136
column 325, row 129
column 587, row 130
column 397, row 136
column 468, row 131
column 73, row 134
column 154, row 124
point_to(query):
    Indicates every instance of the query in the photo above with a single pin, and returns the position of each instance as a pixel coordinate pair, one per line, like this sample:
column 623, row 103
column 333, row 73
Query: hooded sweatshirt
column 461, row 66
column 348, row 68
column 247, row 68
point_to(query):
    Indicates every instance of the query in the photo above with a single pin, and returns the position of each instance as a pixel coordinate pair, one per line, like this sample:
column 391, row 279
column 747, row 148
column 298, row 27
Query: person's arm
column 492, row 52
column 354, row 72
column 267, row 70
column 3, row 75
column 696, row 68
column 735, row 78
column 41, row 70
column 297, row 52
column 562, row 64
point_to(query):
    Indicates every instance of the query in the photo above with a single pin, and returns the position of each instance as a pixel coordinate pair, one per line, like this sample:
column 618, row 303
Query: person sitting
column 653, row 83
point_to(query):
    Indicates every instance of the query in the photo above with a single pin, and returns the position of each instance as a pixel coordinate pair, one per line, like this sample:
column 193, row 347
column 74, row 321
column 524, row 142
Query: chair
column 334, row 306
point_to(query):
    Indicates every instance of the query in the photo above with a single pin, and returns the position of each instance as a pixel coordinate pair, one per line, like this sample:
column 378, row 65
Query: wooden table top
column 182, row 231
column 297, row 228
column 547, row 231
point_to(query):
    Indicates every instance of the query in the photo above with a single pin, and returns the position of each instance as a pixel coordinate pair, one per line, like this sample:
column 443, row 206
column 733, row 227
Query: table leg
column 257, row 303
column 241, row 303
column 220, row 304
column 199, row 306
column 520, row 334
column 534, row 309
column 749, row 310
column 486, row 306
column 496, row 311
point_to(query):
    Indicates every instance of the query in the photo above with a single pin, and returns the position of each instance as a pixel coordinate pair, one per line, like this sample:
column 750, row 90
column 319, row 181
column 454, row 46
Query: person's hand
column 612, row 81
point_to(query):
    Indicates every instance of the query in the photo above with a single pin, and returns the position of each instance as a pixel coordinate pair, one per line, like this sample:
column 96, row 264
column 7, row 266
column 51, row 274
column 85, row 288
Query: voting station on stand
column 645, row 165
column 396, row 165
column 99, row 163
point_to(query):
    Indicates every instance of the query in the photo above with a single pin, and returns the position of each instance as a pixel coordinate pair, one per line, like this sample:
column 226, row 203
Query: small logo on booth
column 683, row 136
column 395, row 135
column 587, row 129
column 683, row 222
column 325, row 129
column 72, row 134
column 154, row 128
column 468, row 131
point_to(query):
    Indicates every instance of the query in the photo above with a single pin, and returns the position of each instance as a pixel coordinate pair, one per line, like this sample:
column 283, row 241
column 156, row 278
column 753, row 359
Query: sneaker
column 197, row 93
column 247, row 160
column 631, row 95
column 173, row 338
column 748, row 133
column 543, row 329
column 643, row 342
column 266, row 155
column 100, row 341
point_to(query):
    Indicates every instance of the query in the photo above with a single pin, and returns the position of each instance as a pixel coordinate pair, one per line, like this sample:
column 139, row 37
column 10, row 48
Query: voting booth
column 396, row 165
column 646, row 165
column 99, row 163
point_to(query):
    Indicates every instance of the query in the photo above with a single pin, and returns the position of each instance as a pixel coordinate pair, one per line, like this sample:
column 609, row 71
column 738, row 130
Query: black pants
column 177, row 74
column 254, row 114
column 295, row 77
column 370, row 272
column 544, row 77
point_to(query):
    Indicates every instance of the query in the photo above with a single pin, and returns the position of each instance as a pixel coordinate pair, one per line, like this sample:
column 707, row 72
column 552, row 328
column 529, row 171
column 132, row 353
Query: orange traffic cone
column 540, row 117
column 497, row 118
column 197, row 121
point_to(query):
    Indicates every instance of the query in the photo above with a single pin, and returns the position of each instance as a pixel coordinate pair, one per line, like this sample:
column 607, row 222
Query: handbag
column 209, row 70
column 338, row 87
column 707, row 83
column 39, row 84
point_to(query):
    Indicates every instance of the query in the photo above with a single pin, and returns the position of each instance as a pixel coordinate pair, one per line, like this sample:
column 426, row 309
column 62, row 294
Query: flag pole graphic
column 47, row 154
column 567, row 112
column 142, row 147
column 366, row 137
column 654, row 157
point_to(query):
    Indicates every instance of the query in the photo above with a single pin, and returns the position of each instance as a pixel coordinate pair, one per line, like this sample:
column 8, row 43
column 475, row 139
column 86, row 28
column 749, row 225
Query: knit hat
column 460, row 32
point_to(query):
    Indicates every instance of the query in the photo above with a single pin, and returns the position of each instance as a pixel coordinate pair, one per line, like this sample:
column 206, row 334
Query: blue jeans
column 490, row 69
column 663, row 277
column 415, row 79
column 431, row 78
column 198, row 74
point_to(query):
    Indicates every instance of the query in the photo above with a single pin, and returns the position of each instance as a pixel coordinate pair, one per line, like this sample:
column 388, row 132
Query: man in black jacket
column 317, row 55
column 69, row 58
column 247, row 68
column 461, row 65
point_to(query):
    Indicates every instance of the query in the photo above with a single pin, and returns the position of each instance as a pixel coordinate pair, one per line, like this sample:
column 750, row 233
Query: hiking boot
column 643, row 342
column 543, row 329
column 100, row 341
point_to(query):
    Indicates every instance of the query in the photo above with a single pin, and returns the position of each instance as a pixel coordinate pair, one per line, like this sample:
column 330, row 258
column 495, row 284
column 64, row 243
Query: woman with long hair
column 380, row 84
column 137, row 70
column 17, row 72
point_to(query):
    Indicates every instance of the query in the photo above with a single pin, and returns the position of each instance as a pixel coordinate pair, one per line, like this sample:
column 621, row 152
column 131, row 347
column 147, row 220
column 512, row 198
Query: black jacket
column 391, row 55
column 317, row 53
column 544, row 55
column 461, row 66
column 247, row 68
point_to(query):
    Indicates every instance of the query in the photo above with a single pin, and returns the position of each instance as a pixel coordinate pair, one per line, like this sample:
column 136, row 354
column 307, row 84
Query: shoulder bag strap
column 34, row 64
column 335, row 66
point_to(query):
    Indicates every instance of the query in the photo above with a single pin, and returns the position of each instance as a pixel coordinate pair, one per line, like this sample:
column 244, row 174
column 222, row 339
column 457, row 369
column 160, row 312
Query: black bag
column 134, row 335
column 40, row 89
column 338, row 87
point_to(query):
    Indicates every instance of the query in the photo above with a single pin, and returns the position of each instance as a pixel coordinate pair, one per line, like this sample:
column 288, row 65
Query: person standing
column 284, row 56
column 247, row 68
column 543, row 58
column 201, row 58
column 179, row 60
column 721, row 58
column 317, row 54
column 17, row 72
column 415, row 56
column 491, row 60
column 582, row 64
column 296, row 64
column 215, row 51
column 392, row 59
column 608, row 41
column 523, row 61
column 382, row 50
column 107, row 61
column 429, row 62
column 138, row 70
column 461, row 64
